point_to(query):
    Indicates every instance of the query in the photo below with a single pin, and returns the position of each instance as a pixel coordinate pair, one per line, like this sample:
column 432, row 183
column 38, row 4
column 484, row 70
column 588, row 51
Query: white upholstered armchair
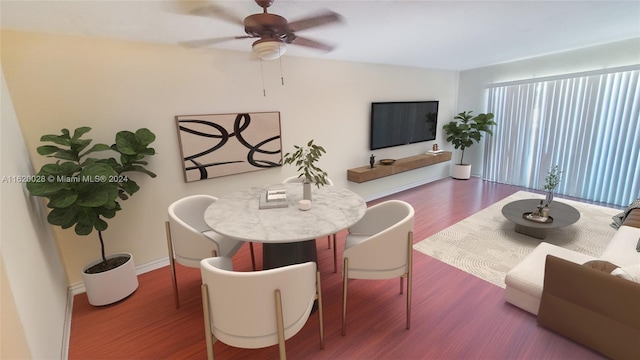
column 260, row 308
column 190, row 240
column 379, row 246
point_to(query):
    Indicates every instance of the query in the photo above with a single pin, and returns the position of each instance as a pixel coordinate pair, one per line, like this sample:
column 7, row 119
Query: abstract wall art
column 226, row 144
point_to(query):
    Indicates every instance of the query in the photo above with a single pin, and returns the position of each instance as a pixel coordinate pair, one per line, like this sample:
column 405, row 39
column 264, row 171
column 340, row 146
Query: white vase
column 549, row 197
column 461, row 172
column 306, row 191
column 112, row 285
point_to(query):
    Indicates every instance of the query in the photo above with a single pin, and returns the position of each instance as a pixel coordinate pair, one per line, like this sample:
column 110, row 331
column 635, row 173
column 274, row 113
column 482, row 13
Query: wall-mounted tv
column 402, row 123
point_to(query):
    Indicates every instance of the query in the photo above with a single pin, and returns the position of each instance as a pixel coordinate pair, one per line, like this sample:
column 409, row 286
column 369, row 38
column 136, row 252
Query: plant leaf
column 77, row 134
column 47, row 149
column 145, row 137
column 60, row 140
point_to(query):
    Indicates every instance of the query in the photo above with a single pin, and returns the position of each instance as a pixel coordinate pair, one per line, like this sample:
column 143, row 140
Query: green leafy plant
column 553, row 178
column 466, row 128
column 84, row 191
column 305, row 157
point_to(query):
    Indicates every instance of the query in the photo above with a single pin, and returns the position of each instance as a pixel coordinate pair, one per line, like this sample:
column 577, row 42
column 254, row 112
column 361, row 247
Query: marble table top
column 238, row 215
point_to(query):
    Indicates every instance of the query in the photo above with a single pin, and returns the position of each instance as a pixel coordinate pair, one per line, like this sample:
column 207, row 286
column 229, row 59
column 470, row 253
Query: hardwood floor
column 455, row 315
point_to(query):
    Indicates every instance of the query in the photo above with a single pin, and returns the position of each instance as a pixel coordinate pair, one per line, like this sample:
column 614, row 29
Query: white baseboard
column 154, row 265
column 66, row 331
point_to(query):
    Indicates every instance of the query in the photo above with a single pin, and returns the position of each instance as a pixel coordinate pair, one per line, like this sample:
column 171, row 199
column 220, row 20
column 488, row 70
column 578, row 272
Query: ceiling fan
column 273, row 31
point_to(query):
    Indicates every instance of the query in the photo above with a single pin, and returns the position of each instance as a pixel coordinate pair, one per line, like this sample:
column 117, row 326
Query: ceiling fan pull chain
column 281, row 75
column 264, row 92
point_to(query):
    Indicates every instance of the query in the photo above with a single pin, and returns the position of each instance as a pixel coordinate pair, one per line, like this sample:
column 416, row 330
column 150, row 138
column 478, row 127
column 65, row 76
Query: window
column 587, row 124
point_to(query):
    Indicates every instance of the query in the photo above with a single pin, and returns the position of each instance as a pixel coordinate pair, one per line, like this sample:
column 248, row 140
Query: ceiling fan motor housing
column 268, row 26
column 264, row 3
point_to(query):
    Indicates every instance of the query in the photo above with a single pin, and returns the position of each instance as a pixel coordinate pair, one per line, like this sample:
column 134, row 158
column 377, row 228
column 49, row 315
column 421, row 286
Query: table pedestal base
column 533, row 232
column 276, row 255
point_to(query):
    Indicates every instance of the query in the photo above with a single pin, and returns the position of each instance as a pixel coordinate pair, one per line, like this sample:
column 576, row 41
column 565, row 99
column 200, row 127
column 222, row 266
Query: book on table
column 271, row 199
column 276, row 195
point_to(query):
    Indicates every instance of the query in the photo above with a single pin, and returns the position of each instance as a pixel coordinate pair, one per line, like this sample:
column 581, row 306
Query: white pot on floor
column 461, row 171
column 113, row 285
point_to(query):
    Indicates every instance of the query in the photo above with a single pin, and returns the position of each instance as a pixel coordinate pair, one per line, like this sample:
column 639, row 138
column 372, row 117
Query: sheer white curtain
column 587, row 124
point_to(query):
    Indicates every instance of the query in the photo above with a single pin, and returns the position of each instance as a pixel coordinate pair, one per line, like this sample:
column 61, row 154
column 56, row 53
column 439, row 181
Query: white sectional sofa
column 524, row 282
column 597, row 305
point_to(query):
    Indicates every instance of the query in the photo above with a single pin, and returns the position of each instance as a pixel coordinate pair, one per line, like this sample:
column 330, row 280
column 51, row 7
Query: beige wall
column 474, row 82
column 34, row 285
column 13, row 342
column 59, row 81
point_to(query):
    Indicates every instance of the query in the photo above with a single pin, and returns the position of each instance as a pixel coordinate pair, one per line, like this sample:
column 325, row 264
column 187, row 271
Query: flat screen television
column 402, row 123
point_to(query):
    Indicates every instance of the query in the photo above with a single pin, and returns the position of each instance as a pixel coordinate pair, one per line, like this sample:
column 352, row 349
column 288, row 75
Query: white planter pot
column 461, row 172
column 113, row 285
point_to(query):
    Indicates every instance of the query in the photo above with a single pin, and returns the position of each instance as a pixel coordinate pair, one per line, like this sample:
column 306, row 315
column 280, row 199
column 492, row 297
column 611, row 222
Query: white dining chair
column 379, row 246
column 300, row 179
column 190, row 240
column 257, row 309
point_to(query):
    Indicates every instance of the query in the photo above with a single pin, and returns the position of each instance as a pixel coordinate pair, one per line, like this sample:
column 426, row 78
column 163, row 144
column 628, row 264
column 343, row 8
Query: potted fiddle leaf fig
column 305, row 158
column 462, row 132
column 83, row 192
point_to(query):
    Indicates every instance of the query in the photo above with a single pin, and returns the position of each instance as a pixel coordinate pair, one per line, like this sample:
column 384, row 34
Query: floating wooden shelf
column 366, row 173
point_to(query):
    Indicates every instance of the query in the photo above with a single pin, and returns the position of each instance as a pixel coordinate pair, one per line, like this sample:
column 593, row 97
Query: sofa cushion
column 631, row 273
column 595, row 309
column 621, row 249
column 601, row 265
column 633, row 218
column 524, row 282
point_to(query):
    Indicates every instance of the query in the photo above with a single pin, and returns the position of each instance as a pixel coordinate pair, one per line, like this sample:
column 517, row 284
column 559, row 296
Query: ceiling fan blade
column 211, row 41
column 218, row 12
column 302, row 41
column 324, row 18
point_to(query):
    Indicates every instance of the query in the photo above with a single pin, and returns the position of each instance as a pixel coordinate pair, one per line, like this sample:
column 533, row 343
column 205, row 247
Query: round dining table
column 287, row 233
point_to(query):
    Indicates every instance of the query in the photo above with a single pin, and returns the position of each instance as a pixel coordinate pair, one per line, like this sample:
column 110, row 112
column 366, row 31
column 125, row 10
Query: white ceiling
column 453, row 35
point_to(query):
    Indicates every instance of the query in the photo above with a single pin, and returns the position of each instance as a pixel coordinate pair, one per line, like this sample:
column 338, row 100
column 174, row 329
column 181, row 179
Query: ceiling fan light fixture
column 269, row 49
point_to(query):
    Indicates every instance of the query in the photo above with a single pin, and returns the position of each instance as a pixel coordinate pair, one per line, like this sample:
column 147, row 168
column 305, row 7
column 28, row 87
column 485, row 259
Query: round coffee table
column 562, row 214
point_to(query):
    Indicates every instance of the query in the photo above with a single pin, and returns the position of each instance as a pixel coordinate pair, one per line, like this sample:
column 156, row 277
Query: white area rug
column 486, row 245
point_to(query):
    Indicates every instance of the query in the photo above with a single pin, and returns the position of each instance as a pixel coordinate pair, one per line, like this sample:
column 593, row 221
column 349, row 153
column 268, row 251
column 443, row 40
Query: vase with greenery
column 551, row 182
column 83, row 192
column 305, row 158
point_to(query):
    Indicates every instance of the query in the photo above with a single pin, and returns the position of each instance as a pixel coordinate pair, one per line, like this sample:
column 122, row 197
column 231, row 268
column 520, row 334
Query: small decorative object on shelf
column 540, row 214
column 387, row 161
column 372, row 160
column 304, row 205
column 551, row 182
column 434, row 147
column 545, row 211
column 538, row 219
column 539, row 209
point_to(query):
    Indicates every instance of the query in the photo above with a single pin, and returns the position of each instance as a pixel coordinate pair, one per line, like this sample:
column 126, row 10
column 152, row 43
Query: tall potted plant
column 83, row 192
column 305, row 158
column 462, row 132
